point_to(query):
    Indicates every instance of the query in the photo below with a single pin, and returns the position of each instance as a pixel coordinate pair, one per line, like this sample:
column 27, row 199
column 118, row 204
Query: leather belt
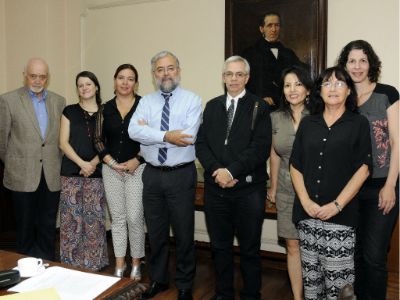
column 170, row 168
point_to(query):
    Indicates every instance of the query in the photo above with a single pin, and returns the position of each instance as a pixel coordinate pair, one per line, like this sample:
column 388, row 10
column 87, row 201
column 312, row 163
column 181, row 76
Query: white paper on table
column 70, row 284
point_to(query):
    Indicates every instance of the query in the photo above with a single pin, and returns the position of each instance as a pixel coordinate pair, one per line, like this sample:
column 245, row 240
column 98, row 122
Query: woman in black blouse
column 330, row 161
column 122, row 170
column 82, row 201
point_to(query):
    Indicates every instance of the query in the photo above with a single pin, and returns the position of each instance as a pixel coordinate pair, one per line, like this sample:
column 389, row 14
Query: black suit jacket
column 248, row 145
column 266, row 70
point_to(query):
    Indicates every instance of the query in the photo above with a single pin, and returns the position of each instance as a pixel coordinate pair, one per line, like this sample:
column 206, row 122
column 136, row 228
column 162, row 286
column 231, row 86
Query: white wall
column 374, row 21
column 133, row 33
column 3, row 78
column 135, row 30
column 35, row 28
column 72, row 36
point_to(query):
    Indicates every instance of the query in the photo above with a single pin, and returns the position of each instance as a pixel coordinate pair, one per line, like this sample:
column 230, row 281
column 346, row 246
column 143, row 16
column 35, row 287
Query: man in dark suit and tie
column 29, row 131
column 267, row 59
column 233, row 145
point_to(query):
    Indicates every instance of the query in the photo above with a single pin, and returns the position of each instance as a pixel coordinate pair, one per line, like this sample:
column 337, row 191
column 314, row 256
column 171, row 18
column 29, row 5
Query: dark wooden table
column 125, row 288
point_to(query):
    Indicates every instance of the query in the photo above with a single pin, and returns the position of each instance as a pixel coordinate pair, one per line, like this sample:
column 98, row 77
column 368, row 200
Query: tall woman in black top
column 330, row 161
column 122, row 170
column 82, row 202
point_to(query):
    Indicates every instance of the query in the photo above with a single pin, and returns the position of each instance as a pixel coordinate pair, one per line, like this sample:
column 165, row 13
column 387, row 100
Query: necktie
column 162, row 152
column 273, row 47
column 231, row 110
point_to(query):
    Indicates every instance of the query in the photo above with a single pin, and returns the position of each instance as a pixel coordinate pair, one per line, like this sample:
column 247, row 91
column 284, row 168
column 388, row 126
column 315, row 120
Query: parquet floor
column 276, row 285
column 275, row 280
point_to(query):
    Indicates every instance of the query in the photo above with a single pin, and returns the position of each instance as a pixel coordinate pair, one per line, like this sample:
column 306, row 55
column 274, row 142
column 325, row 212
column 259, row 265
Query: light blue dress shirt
column 39, row 106
column 185, row 114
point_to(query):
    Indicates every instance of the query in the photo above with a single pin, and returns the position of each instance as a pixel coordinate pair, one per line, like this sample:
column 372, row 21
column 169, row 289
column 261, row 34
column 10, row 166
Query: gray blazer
column 22, row 148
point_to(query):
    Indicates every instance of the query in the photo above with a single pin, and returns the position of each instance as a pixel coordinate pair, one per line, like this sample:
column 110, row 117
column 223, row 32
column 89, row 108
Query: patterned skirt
column 83, row 240
column 327, row 258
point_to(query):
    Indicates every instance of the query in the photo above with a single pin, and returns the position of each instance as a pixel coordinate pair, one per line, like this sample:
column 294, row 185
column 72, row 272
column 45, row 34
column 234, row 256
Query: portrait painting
column 302, row 27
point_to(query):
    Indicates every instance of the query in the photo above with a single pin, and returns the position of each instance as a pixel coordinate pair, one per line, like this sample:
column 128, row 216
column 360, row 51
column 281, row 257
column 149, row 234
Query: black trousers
column 242, row 216
column 168, row 200
column 35, row 216
column 373, row 240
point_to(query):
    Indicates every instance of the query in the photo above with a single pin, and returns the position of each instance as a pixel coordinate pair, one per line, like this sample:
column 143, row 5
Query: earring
column 307, row 99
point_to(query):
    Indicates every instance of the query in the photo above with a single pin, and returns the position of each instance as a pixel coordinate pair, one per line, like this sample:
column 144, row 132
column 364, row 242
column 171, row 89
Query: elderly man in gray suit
column 29, row 129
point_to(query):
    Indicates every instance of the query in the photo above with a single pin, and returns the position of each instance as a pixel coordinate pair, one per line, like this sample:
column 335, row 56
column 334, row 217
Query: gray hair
column 160, row 55
column 236, row 58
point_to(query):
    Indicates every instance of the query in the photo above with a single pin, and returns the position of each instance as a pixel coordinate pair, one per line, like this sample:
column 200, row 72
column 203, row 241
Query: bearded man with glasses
column 165, row 123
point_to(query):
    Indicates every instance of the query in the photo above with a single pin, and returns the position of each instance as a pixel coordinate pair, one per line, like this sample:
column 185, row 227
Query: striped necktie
column 162, row 152
column 231, row 110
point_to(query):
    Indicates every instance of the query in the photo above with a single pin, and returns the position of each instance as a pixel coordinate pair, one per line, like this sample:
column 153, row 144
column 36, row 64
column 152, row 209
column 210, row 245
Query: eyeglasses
column 35, row 76
column 238, row 75
column 337, row 84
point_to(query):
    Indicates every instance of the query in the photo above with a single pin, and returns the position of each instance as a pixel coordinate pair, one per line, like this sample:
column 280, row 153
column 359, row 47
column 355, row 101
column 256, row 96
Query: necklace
column 88, row 119
column 88, row 116
column 86, row 109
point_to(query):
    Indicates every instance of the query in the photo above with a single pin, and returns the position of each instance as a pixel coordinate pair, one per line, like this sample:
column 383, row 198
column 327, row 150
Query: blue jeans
column 373, row 241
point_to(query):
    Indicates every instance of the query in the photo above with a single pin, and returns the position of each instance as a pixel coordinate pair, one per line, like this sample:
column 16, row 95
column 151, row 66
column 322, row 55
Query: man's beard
column 167, row 85
column 36, row 90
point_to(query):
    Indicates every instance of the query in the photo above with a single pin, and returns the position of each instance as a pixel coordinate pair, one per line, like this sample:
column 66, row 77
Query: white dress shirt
column 185, row 114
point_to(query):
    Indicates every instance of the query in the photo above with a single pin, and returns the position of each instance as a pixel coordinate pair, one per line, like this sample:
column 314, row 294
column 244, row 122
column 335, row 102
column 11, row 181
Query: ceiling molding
column 90, row 6
column 100, row 4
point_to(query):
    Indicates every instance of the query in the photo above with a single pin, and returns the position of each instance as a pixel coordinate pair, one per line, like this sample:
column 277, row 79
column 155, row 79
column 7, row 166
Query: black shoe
column 185, row 294
column 216, row 297
column 154, row 289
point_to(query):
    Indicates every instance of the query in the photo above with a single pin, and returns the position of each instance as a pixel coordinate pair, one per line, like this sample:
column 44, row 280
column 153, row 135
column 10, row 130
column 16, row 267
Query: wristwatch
column 338, row 206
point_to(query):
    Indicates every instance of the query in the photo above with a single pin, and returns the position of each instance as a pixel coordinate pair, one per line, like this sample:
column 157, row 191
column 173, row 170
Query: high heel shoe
column 136, row 273
column 119, row 272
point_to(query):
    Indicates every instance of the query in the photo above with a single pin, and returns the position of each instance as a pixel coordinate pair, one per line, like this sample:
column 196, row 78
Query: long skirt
column 83, row 240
